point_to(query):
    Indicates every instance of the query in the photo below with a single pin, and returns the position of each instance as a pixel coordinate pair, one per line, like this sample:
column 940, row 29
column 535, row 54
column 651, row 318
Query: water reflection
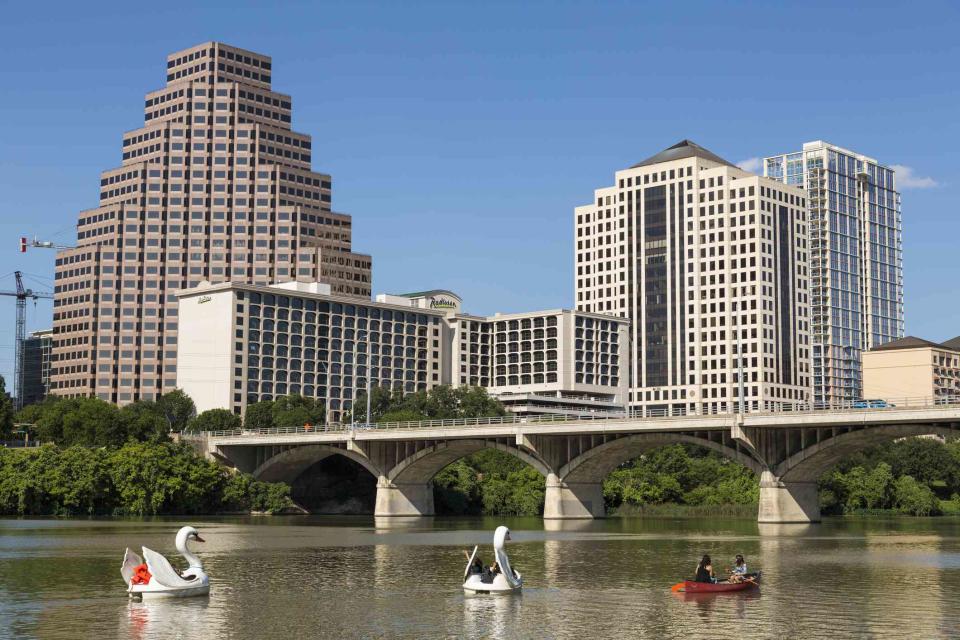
column 169, row 619
column 491, row 616
column 284, row 578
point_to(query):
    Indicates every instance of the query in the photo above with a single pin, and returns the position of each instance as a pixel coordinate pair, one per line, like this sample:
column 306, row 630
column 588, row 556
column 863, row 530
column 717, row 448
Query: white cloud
column 907, row 180
column 750, row 164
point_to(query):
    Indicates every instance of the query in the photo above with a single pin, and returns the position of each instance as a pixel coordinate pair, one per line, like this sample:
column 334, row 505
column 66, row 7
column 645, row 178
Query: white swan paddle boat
column 505, row 580
column 156, row 578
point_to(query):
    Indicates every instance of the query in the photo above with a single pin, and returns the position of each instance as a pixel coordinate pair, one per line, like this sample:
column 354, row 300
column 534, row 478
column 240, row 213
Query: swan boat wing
column 466, row 572
column 163, row 572
column 130, row 562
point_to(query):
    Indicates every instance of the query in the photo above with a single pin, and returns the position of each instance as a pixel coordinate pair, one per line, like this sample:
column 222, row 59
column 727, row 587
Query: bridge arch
column 289, row 464
column 595, row 464
column 422, row 466
column 808, row 464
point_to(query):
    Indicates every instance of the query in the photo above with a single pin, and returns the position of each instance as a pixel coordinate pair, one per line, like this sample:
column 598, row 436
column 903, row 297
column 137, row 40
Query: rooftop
column 913, row 342
column 683, row 149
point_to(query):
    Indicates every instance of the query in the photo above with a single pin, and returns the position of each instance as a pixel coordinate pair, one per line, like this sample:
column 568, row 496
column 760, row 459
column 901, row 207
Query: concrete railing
column 728, row 408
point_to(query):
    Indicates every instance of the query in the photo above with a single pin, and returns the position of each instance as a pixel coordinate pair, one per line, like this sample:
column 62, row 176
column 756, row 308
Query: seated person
column 477, row 566
column 739, row 570
column 705, row 571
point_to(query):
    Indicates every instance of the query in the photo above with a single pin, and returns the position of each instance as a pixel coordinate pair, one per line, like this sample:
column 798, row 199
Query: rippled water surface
column 300, row 577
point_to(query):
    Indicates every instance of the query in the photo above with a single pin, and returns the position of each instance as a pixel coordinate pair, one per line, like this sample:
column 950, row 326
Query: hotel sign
column 442, row 303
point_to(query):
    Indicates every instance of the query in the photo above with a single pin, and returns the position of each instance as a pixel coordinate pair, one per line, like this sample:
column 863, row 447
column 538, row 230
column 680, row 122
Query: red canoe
column 689, row 586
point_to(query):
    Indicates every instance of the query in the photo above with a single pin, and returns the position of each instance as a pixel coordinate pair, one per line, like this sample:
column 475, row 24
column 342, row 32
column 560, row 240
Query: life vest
column 141, row 575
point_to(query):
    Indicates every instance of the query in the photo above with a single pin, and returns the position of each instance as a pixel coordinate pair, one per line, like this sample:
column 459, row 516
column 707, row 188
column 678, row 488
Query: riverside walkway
column 788, row 448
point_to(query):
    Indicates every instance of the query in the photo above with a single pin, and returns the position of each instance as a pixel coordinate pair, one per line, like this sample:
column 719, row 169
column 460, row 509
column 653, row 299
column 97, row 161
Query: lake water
column 326, row 577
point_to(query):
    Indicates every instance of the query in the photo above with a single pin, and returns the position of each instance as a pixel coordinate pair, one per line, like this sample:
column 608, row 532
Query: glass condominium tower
column 856, row 259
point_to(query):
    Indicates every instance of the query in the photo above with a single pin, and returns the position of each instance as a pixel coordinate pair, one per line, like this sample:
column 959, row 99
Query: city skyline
column 389, row 156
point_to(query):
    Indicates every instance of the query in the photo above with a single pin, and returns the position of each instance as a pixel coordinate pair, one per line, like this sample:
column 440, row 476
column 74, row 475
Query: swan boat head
column 500, row 536
column 185, row 535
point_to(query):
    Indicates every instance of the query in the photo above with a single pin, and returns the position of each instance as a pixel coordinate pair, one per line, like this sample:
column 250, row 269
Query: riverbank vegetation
column 135, row 479
column 915, row 476
column 100, row 459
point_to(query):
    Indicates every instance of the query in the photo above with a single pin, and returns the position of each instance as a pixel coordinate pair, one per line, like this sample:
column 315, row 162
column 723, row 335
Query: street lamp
column 356, row 343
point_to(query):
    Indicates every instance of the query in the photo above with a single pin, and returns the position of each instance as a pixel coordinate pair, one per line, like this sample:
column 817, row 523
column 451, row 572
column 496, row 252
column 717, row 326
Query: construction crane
column 38, row 244
column 22, row 295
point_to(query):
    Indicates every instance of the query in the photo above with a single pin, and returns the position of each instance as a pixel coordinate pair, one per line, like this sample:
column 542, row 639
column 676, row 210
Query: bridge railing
column 720, row 408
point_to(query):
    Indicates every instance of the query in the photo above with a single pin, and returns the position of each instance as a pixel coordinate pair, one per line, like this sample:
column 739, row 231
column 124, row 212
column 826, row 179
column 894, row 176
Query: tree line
column 917, row 476
column 100, row 459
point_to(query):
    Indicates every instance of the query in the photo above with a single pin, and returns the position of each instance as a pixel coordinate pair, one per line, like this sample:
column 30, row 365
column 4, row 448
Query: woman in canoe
column 739, row 570
column 705, row 570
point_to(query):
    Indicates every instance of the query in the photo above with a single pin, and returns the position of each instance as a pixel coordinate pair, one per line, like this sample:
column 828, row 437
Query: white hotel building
column 243, row 343
column 702, row 257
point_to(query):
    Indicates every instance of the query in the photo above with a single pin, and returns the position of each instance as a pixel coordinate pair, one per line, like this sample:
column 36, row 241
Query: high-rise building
column 215, row 186
column 709, row 262
column 36, row 367
column 856, row 260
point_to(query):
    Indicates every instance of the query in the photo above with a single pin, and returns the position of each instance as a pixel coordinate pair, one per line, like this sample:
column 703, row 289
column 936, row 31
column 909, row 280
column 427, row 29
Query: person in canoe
column 477, row 566
column 738, row 572
column 705, row 570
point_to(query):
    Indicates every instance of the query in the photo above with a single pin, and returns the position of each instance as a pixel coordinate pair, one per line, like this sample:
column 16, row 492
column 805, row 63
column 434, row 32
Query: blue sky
column 461, row 135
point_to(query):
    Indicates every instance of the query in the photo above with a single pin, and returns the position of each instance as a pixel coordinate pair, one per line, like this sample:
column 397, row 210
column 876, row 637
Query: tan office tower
column 214, row 187
column 701, row 256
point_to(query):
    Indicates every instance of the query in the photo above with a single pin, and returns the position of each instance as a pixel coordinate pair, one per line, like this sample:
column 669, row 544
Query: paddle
column 678, row 587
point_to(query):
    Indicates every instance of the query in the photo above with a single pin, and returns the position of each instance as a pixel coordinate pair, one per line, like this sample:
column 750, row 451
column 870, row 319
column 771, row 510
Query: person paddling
column 739, row 571
column 477, row 566
column 705, row 570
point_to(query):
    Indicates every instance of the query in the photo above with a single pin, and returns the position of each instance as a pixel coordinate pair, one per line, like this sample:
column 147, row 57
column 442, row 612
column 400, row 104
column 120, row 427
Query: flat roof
column 221, row 287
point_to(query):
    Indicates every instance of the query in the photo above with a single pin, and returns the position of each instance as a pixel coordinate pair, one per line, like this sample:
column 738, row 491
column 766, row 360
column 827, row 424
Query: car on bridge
column 871, row 404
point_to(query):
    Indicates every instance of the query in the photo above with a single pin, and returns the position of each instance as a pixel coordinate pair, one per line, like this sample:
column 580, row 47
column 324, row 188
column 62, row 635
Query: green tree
column 402, row 415
column 442, row 402
column 144, row 420
column 6, row 412
column 259, row 415
column 177, row 408
column 474, row 402
column 914, row 498
column 31, row 413
column 215, row 420
column 296, row 410
column 382, row 401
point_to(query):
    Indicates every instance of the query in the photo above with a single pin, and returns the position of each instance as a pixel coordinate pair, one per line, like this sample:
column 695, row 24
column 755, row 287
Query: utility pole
column 21, row 295
column 740, row 368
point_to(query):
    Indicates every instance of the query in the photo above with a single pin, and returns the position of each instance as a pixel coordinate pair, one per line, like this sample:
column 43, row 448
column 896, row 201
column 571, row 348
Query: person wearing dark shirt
column 705, row 570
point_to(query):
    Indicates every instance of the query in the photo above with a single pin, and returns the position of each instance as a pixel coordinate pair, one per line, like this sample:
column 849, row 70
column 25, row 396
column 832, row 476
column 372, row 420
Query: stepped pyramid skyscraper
column 214, row 187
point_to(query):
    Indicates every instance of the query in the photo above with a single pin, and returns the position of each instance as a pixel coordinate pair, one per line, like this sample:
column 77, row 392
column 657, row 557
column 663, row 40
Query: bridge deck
column 939, row 414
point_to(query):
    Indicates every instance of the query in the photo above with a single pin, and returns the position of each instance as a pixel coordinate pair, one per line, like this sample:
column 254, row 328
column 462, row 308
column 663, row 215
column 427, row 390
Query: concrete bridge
column 788, row 450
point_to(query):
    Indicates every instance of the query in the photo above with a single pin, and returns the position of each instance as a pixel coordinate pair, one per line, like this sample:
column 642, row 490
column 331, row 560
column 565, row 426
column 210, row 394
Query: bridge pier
column 573, row 501
column 398, row 500
column 787, row 502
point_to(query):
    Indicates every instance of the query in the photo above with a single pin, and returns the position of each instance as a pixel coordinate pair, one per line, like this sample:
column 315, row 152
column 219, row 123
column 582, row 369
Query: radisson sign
column 442, row 303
